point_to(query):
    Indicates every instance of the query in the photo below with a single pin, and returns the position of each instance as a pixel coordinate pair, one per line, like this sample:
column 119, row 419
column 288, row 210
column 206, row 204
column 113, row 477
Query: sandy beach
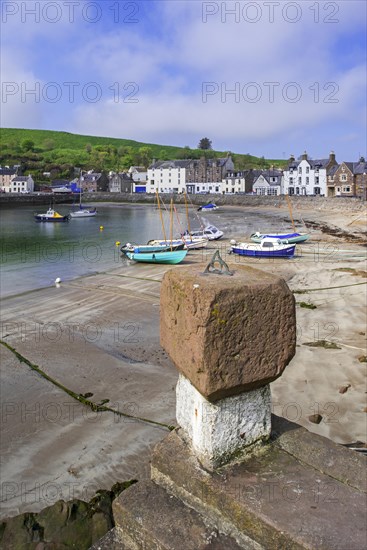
column 98, row 337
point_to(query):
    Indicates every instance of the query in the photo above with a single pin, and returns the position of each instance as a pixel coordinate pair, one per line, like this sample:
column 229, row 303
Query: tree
column 27, row 145
column 205, row 143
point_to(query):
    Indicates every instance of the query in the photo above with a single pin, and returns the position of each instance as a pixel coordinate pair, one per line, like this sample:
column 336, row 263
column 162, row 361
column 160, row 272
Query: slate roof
column 7, row 171
column 170, row 164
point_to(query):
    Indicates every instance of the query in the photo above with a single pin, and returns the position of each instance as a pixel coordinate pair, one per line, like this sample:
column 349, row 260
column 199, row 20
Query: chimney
column 362, row 159
column 291, row 158
column 304, row 156
column 332, row 157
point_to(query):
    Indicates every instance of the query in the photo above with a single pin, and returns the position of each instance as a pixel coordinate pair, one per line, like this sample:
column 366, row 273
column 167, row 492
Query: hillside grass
column 61, row 152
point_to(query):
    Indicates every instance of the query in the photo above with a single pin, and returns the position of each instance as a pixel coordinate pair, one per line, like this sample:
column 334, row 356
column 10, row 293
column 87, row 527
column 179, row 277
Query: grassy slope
column 70, row 149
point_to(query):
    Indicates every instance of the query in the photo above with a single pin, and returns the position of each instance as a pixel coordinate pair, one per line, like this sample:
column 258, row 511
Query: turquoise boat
column 166, row 257
column 290, row 238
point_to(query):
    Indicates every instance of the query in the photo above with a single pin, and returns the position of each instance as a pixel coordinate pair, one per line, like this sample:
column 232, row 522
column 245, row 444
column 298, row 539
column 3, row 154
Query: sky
column 270, row 78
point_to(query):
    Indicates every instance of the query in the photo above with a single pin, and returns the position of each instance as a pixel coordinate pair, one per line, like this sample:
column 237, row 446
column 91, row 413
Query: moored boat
column 166, row 257
column 83, row 213
column 208, row 207
column 152, row 247
column 291, row 238
column 51, row 216
column 269, row 247
column 187, row 241
column 209, row 232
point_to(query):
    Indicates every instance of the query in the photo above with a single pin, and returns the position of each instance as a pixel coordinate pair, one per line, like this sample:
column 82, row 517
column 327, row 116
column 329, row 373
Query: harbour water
column 34, row 254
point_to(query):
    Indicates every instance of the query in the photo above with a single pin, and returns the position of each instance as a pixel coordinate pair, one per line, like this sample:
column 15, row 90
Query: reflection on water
column 34, row 254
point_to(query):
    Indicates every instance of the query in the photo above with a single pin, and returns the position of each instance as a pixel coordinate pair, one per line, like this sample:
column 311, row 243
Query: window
column 290, row 190
column 300, row 170
column 290, row 180
column 317, row 179
column 307, row 169
column 346, row 189
column 307, row 180
column 272, row 191
column 343, row 177
column 299, row 181
column 317, row 190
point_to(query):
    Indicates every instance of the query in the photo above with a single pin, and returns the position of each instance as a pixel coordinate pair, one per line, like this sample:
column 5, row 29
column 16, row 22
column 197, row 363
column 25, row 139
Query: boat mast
column 290, row 212
column 187, row 213
column 160, row 214
column 171, row 223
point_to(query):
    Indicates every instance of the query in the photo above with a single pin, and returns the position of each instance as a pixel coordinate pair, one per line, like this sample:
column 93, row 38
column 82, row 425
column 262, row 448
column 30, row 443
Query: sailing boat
column 83, row 212
column 291, row 238
column 166, row 252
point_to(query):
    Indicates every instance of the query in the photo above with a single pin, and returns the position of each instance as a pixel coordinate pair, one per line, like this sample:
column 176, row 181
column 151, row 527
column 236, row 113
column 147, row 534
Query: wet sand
column 98, row 336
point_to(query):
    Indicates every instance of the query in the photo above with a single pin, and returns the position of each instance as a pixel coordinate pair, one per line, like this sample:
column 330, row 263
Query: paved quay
column 99, row 337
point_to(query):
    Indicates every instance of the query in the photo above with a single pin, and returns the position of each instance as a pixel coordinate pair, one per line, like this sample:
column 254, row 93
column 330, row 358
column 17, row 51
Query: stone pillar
column 229, row 337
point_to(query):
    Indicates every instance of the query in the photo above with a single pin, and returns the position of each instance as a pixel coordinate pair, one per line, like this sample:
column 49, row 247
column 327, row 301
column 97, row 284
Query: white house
column 269, row 182
column 21, row 184
column 168, row 176
column 138, row 173
column 307, row 176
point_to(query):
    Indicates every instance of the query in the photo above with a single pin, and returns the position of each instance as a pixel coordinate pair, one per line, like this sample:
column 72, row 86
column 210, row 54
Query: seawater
column 34, row 254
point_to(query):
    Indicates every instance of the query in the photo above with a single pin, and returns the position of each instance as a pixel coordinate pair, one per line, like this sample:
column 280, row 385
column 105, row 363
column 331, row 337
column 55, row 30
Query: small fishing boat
column 291, row 238
column 208, row 207
column 166, row 257
column 51, row 216
column 209, row 232
column 152, row 247
column 268, row 248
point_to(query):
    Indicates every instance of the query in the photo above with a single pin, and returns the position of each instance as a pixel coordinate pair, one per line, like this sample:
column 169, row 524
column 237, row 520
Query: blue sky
column 266, row 78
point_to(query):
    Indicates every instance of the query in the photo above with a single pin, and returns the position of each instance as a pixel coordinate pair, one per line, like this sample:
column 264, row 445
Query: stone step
column 148, row 518
column 275, row 498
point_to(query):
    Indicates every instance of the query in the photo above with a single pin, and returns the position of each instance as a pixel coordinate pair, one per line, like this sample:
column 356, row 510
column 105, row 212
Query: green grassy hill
column 39, row 151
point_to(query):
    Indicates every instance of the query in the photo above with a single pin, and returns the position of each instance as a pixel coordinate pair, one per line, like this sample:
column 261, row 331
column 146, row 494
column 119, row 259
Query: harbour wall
column 300, row 202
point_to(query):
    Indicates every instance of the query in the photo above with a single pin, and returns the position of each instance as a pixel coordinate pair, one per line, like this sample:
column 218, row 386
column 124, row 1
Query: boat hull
column 152, row 248
column 285, row 252
column 174, row 257
column 43, row 219
column 78, row 214
column 291, row 238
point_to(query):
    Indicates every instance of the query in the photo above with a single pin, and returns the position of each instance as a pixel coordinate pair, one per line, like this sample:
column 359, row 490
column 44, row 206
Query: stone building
column 348, row 180
column 121, row 182
column 6, row 175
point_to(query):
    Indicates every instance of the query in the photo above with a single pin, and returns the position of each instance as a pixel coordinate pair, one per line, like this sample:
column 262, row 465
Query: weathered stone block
column 220, row 432
column 227, row 334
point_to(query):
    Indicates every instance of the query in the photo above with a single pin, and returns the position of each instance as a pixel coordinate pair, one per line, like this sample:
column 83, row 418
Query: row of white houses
column 305, row 176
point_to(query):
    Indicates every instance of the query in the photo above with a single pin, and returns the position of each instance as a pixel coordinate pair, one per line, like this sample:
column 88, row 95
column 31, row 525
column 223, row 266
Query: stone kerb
column 229, row 336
